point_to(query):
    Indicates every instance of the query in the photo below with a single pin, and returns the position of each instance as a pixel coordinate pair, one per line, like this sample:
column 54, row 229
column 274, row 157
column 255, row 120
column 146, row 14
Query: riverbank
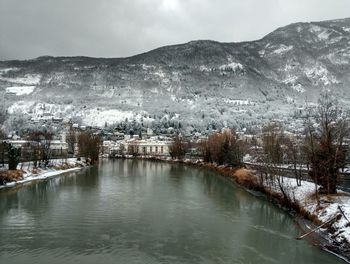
column 330, row 211
column 26, row 172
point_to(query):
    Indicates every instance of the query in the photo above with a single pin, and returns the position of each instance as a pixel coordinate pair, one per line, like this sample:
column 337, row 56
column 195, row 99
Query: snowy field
column 20, row 90
column 98, row 117
column 28, row 79
column 328, row 208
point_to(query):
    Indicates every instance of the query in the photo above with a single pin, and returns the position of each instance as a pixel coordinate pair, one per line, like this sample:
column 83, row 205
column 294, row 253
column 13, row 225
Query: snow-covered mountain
column 200, row 82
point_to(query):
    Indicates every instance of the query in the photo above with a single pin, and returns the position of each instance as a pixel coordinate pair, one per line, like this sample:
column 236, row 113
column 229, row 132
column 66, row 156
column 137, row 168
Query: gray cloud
column 118, row 28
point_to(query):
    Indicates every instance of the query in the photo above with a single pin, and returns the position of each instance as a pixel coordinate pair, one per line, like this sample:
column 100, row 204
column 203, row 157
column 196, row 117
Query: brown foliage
column 10, row 176
column 89, row 146
column 2, row 135
column 243, row 177
column 178, row 148
column 223, row 148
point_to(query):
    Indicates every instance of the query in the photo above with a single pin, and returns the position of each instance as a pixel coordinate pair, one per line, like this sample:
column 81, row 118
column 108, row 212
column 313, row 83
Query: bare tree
column 41, row 145
column 223, row 148
column 273, row 156
column 3, row 115
column 2, row 135
column 178, row 148
column 71, row 139
column 272, row 144
column 326, row 128
column 294, row 155
column 2, row 148
column 89, row 145
column 14, row 155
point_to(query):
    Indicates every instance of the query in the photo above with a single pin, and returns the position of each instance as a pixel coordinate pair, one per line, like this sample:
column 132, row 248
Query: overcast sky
column 119, row 28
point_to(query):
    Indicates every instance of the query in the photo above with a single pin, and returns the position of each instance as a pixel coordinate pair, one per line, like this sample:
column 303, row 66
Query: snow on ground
column 327, row 209
column 31, row 174
column 28, row 79
column 160, row 73
column 291, row 80
column 298, row 87
column 204, row 68
column 290, row 99
column 238, row 102
column 262, row 53
column 40, row 110
column 175, row 76
column 2, row 71
column 233, row 66
column 146, row 67
column 21, row 107
column 56, row 77
column 288, row 67
column 91, row 117
column 282, row 49
column 20, row 90
column 315, row 29
column 98, row 117
column 341, row 56
column 324, row 35
column 275, row 50
column 334, row 40
column 320, row 74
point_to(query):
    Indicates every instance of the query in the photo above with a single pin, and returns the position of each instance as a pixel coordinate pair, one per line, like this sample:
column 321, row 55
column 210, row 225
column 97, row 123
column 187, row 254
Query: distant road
column 288, row 171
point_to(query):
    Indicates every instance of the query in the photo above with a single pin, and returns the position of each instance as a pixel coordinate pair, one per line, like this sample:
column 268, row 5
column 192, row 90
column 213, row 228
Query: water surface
column 130, row 211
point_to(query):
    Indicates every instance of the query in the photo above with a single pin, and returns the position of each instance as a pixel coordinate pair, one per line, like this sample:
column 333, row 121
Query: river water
column 130, row 211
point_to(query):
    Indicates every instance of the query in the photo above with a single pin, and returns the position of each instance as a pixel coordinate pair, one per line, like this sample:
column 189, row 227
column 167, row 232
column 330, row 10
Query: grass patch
column 10, row 176
column 243, row 177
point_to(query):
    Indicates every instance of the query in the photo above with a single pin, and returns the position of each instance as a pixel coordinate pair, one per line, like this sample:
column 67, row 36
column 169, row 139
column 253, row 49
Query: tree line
column 37, row 151
column 321, row 149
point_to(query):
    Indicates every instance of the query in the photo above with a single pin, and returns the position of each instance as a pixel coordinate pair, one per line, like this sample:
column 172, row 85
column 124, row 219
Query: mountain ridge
column 200, row 83
column 345, row 19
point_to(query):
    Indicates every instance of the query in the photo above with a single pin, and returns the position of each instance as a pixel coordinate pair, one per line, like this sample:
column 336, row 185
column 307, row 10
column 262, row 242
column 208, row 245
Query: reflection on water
column 131, row 211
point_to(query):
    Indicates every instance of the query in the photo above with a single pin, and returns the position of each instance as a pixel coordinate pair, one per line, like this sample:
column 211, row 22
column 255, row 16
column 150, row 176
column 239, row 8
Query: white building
column 109, row 148
column 57, row 147
column 147, row 147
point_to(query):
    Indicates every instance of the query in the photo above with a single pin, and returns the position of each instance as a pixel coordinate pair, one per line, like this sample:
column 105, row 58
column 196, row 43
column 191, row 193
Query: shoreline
column 55, row 168
column 334, row 238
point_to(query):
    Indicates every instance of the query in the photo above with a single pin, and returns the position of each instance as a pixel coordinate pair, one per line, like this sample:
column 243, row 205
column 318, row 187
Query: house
column 108, row 148
column 57, row 120
column 119, row 135
column 58, row 148
column 147, row 147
